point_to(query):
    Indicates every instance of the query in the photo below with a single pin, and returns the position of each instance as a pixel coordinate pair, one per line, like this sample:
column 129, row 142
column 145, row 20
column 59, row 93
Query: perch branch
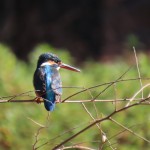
column 73, row 101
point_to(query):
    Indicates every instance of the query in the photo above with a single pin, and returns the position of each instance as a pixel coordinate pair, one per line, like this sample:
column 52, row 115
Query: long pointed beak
column 65, row 66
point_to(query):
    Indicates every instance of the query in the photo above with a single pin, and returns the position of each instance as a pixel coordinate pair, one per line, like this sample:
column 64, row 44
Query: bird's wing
column 39, row 82
column 56, row 82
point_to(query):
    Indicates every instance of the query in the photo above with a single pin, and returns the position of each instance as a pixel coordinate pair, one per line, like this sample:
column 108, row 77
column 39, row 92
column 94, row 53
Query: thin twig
column 85, row 108
column 139, row 136
column 42, row 126
column 78, row 147
column 36, row 138
column 103, row 134
column 98, row 121
column 115, row 93
column 122, row 132
column 137, row 65
column 111, row 84
column 137, row 94
column 60, row 135
column 103, row 84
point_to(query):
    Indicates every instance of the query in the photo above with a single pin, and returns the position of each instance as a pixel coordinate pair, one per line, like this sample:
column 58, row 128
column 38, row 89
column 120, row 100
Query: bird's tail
column 49, row 102
column 50, row 106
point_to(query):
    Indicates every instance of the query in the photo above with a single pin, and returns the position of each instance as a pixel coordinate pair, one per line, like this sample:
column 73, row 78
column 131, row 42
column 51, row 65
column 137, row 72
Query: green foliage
column 17, row 131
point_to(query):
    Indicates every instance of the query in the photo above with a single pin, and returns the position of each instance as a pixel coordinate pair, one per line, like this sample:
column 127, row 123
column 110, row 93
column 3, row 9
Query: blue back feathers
column 47, row 81
column 49, row 101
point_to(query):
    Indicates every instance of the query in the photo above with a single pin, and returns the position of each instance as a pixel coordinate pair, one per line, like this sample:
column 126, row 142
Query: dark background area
column 87, row 28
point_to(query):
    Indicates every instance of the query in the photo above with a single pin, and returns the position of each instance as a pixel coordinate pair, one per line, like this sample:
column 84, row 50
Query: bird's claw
column 58, row 101
column 38, row 99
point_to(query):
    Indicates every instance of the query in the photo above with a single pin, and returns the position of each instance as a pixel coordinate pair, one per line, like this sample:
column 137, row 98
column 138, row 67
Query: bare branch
column 115, row 93
column 42, row 126
column 36, row 138
column 112, row 83
column 137, row 94
column 139, row 136
column 137, row 65
column 103, row 84
column 77, row 146
column 98, row 121
column 73, row 101
column 60, row 135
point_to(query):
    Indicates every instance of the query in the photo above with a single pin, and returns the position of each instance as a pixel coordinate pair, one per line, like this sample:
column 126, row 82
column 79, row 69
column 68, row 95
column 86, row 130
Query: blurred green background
column 18, row 132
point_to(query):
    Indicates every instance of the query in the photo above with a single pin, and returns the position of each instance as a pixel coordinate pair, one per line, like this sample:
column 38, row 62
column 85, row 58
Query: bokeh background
column 97, row 36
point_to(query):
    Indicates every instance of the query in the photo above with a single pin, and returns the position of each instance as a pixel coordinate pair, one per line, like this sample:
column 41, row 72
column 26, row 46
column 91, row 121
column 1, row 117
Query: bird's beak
column 65, row 66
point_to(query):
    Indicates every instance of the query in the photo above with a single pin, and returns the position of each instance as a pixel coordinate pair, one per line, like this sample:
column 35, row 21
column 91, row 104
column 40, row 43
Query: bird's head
column 51, row 59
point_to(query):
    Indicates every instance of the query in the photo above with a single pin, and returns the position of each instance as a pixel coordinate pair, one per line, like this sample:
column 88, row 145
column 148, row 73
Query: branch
column 78, row 147
column 129, row 130
column 3, row 99
column 103, row 84
column 36, row 138
column 111, row 83
column 98, row 121
column 138, row 70
column 17, row 101
column 137, row 94
column 73, row 101
column 103, row 135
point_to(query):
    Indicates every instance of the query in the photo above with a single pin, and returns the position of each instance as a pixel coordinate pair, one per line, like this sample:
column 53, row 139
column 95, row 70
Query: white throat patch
column 58, row 68
column 45, row 63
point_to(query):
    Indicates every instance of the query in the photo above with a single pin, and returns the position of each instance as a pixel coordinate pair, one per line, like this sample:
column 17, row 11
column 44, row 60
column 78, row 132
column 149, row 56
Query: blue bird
column 47, row 81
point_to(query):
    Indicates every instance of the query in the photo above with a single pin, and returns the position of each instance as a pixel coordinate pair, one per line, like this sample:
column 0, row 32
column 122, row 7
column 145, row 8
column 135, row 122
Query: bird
column 47, row 81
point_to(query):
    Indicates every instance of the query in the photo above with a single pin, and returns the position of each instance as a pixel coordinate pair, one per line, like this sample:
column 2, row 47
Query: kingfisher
column 47, row 81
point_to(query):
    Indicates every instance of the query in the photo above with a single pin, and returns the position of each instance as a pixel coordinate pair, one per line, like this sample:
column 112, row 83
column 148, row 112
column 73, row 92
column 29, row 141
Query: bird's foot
column 58, row 101
column 38, row 99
